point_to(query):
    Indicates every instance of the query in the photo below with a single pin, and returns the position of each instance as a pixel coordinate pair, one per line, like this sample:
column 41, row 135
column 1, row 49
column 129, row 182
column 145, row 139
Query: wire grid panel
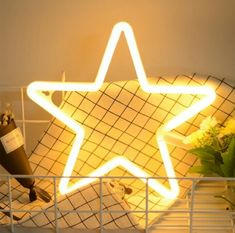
column 121, row 119
column 202, row 211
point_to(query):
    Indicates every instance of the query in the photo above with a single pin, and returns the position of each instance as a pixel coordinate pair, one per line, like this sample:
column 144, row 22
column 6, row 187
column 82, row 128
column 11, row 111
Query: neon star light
column 36, row 91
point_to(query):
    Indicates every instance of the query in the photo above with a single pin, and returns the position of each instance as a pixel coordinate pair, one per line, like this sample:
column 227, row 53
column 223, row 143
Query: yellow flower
column 208, row 123
column 229, row 127
column 195, row 138
column 203, row 136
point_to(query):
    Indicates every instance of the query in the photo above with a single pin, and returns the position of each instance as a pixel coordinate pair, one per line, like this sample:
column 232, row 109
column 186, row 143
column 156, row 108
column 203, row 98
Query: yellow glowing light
column 36, row 92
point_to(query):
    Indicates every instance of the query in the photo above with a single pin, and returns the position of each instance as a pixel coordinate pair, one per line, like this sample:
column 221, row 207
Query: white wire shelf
column 199, row 211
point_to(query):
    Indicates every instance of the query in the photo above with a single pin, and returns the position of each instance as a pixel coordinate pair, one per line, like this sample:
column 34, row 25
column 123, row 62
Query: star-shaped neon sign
column 36, row 92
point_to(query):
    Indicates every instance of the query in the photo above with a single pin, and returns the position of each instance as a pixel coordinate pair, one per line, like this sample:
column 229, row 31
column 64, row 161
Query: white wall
column 40, row 38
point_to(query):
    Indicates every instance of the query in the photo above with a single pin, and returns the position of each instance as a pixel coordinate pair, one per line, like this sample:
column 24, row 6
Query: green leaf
column 229, row 159
column 201, row 153
column 204, row 153
column 200, row 169
column 207, row 168
column 204, row 170
column 217, row 155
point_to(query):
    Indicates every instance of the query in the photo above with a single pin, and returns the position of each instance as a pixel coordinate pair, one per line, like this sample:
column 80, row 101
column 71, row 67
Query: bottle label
column 12, row 141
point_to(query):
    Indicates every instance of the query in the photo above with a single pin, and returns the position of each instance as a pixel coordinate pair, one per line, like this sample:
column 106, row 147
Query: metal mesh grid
column 122, row 119
column 199, row 211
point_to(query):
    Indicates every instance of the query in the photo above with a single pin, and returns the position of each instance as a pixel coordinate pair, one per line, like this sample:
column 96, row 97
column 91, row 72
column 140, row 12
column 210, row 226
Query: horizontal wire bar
column 177, row 227
column 120, row 177
column 119, row 211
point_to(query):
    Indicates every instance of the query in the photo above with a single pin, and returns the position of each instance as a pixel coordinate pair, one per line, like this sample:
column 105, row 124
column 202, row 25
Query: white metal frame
column 191, row 213
column 225, row 217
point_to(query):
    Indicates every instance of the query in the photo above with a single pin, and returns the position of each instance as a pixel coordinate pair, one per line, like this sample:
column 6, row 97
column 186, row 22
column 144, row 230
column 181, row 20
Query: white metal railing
column 20, row 103
column 193, row 214
column 198, row 212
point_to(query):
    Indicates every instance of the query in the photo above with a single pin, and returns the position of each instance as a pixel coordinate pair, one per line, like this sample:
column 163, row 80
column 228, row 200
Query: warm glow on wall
column 36, row 92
